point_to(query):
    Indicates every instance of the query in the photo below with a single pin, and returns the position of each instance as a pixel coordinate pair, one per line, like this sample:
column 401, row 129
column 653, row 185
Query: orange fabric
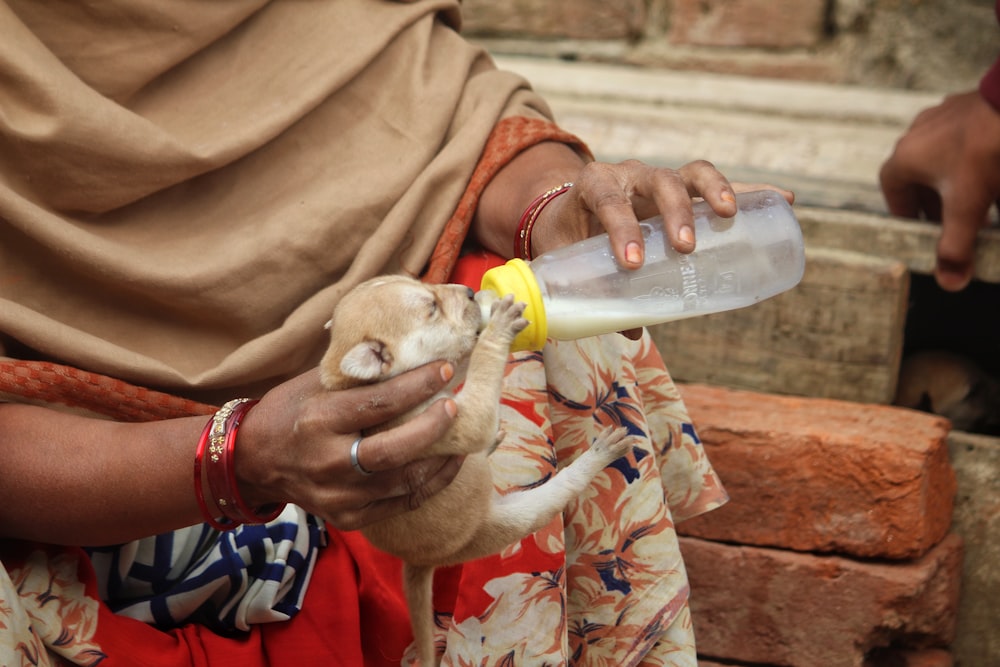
column 56, row 384
column 510, row 137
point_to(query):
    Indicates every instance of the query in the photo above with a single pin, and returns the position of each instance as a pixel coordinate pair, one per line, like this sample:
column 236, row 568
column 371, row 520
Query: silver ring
column 354, row 458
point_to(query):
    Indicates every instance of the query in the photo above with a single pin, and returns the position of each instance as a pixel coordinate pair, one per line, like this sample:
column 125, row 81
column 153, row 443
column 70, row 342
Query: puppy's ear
column 368, row 360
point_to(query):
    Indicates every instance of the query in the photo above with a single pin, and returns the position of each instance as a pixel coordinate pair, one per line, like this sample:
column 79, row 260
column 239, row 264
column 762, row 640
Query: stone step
column 826, row 142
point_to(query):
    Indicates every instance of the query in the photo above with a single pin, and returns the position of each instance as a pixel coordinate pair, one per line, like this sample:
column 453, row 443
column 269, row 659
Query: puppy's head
column 392, row 324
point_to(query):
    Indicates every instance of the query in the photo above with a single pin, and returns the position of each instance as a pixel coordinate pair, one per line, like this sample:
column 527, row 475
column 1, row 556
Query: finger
column 673, row 199
column 408, row 442
column 902, row 178
column 422, row 480
column 956, row 247
column 606, row 191
column 363, row 407
column 739, row 187
column 901, row 198
column 700, row 179
column 929, row 204
column 705, row 181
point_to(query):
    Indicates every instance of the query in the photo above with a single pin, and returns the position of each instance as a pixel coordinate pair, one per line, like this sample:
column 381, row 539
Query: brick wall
column 939, row 45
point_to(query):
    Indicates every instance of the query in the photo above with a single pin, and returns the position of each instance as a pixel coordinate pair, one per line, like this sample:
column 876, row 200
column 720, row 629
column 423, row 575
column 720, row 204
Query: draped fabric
column 186, row 189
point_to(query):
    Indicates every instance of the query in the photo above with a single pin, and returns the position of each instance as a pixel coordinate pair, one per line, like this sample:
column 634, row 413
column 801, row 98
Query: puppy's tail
column 418, row 584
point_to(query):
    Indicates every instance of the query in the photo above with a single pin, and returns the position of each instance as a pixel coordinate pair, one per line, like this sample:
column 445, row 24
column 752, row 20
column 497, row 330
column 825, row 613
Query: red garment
column 989, row 85
column 354, row 586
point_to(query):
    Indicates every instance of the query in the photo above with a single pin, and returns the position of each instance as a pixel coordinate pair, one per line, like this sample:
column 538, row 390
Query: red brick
column 932, row 657
column 777, row 607
column 747, row 23
column 823, row 475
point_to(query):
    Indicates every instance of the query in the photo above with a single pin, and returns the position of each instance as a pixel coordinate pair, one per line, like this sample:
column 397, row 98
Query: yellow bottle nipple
column 515, row 277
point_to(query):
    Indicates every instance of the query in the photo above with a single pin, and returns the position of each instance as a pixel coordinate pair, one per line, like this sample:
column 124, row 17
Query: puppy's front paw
column 506, row 319
column 611, row 443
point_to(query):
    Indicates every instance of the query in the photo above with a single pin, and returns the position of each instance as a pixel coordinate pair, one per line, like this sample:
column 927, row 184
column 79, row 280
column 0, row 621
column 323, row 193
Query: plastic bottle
column 580, row 290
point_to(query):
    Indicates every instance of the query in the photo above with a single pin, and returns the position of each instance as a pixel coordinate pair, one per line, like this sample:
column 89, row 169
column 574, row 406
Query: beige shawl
column 187, row 187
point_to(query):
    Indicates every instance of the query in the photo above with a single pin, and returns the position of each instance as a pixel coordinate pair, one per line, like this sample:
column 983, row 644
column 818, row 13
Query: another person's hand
column 295, row 446
column 946, row 168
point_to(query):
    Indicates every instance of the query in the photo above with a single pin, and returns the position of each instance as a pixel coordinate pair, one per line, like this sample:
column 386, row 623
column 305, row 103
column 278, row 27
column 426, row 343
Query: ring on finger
column 354, row 458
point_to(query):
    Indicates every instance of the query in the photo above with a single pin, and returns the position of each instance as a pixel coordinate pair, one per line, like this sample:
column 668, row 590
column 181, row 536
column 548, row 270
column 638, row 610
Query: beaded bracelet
column 522, row 240
column 218, row 441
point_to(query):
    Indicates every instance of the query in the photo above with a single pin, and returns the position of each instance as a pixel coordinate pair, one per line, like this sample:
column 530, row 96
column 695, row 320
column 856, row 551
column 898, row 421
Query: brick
column 748, row 23
column 823, row 475
column 579, row 19
column 933, row 657
column 777, row 607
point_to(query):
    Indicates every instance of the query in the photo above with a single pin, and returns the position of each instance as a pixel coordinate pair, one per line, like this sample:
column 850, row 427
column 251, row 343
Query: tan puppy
column 392, row 324
column 953, row 386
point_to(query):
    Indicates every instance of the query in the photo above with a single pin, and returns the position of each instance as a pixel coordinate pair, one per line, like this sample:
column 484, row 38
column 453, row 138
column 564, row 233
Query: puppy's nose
column 470, row 292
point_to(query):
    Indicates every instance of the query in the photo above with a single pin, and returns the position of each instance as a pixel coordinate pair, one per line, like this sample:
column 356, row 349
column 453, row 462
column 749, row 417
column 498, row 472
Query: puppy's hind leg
column 521, row 513
column 418, row 585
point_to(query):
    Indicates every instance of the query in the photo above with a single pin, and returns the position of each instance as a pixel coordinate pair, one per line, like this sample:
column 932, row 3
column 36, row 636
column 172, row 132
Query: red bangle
column 236, row 502
column 218, row 443
column 199, row 489
column 522, row 240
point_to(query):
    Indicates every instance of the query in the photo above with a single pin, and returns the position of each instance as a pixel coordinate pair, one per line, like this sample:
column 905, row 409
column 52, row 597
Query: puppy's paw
column 611, row 444
column 506, row 319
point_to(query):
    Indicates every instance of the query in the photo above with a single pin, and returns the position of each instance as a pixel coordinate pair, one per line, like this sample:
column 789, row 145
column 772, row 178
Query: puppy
column 389, row 325
column 953, row 386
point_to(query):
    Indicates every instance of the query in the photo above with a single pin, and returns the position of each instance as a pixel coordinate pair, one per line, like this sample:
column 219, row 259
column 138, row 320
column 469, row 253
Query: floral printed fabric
column 45, row 614
column 605, row 583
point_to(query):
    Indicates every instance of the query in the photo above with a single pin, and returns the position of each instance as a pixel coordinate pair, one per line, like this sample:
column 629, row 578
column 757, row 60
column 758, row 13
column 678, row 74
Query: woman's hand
column 605, row 197
column 613, row 198
column 946, row 168
column 295, row 446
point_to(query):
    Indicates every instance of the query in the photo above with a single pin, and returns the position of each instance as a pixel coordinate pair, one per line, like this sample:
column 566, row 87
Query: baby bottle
column 580, row 290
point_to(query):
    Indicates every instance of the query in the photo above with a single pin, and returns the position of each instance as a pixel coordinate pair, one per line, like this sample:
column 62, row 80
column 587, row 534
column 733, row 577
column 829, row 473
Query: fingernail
column 451, row 407
column 633, row 253
column 728, row 196
column 686, row 235
column 952, row 278
column 447, row 371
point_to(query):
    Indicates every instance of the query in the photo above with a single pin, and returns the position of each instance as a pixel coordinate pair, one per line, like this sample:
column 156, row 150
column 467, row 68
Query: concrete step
column 825, row 142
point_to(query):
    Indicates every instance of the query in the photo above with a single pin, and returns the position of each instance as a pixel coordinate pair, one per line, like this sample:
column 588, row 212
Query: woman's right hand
column 295, row 446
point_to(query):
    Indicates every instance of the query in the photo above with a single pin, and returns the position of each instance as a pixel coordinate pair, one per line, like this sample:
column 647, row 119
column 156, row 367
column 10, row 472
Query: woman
column 186, row 192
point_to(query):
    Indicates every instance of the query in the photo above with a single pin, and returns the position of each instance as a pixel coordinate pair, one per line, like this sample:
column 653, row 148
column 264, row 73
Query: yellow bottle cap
column 515, row 277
